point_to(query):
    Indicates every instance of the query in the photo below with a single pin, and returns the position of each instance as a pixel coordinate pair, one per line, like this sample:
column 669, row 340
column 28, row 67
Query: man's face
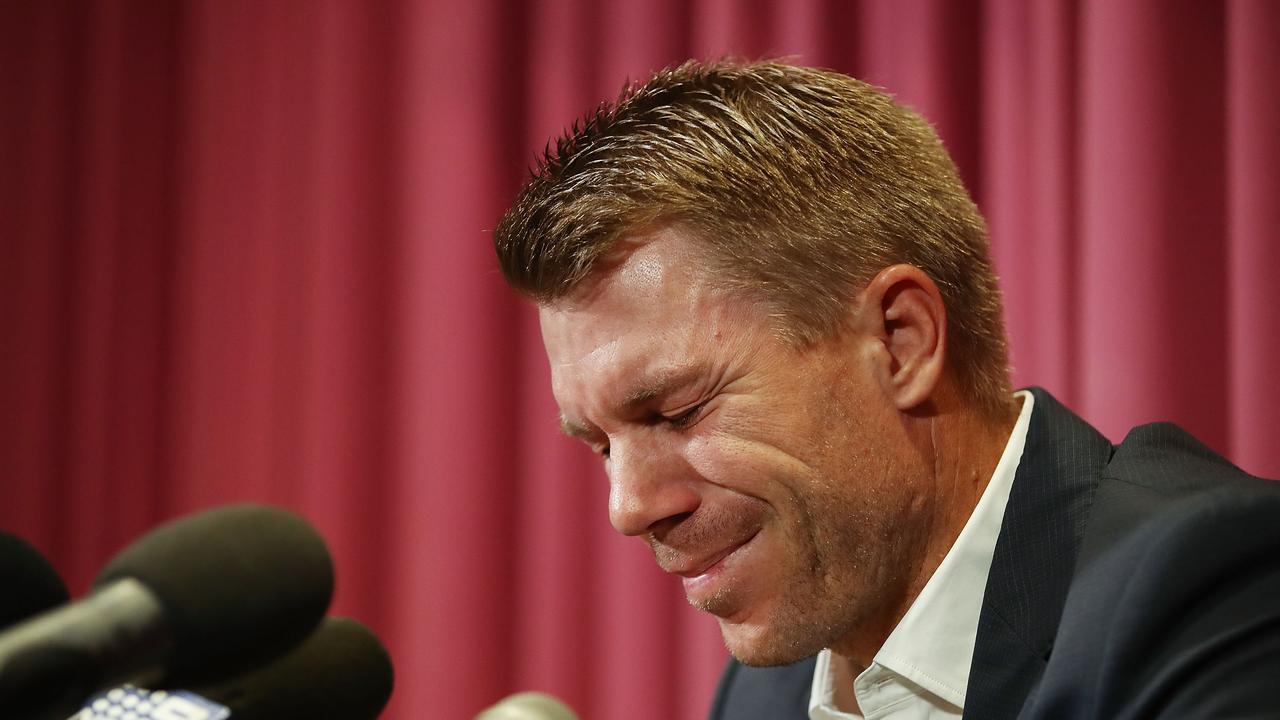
column 776, row 481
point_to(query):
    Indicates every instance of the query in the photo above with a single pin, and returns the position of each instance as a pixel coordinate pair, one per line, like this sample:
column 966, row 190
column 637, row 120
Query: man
column 768, row 305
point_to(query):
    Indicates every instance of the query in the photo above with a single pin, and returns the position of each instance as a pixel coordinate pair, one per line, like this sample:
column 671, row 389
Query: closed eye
column 685, row 418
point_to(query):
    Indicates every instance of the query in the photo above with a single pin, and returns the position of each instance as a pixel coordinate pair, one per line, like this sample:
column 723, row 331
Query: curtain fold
column 245, row 255
column 1252, row 187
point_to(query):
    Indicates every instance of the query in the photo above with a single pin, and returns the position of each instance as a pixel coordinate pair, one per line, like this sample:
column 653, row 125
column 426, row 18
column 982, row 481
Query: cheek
column 713, row 458
column 748, row 466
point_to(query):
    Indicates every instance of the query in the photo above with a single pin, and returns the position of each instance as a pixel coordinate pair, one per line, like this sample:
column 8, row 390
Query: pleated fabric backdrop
column 244, row 254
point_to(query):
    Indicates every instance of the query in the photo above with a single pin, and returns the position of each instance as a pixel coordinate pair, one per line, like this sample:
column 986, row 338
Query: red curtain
column 244, row 254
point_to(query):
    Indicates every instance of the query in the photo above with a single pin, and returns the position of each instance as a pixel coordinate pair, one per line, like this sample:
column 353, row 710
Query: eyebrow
column 662, row 384
column 575, row 430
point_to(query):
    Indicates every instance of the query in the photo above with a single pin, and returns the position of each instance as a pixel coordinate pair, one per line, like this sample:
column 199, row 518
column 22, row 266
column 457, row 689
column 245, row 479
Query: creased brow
column 662, row 385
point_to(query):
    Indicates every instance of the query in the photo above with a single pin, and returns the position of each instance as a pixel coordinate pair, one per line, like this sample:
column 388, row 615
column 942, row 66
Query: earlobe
column 904, row 310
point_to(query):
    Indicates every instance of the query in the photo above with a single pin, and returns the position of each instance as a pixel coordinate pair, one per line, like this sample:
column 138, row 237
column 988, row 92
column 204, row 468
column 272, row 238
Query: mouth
column 694, row 569
column 705, row 578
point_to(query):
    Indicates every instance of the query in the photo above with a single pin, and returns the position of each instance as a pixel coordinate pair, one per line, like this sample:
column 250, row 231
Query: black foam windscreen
column 28, row 583
column 341, row 671
column 237, row 584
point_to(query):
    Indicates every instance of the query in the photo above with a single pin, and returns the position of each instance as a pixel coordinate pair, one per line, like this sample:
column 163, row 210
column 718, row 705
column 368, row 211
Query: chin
column 765, row 646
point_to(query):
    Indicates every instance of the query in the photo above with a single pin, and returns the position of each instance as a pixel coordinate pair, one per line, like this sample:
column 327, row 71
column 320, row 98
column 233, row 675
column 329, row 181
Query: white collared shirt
column 922, row 670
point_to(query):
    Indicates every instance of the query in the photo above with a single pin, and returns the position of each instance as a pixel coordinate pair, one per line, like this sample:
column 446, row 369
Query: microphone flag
column 133, row 703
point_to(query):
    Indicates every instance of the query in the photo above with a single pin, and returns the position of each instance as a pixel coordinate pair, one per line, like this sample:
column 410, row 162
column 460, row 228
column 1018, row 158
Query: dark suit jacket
column 1131, row 581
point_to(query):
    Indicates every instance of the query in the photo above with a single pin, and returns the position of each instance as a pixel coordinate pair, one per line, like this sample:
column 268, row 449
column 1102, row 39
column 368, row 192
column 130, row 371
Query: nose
column 648, row 484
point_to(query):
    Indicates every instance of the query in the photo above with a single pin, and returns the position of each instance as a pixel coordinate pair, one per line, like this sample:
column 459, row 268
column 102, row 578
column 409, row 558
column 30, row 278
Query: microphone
column 528, row 706
column 192, row 601
column 28, row 583
column 341, row 671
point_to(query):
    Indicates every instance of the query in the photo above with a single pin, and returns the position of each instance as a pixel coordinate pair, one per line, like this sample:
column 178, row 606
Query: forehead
column 662, row 265
column 652, row 311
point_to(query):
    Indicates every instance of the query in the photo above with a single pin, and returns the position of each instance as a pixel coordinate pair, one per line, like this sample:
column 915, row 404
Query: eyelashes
column 680, row 421
column 686, row 418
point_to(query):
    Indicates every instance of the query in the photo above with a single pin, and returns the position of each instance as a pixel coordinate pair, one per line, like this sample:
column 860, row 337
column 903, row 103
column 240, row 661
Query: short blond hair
column 802, row 184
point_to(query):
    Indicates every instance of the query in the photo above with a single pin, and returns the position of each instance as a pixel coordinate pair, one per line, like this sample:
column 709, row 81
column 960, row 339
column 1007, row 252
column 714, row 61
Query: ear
column 902, row 310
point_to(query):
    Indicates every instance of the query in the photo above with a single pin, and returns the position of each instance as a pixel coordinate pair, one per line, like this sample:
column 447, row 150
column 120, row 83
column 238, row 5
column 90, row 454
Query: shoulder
column 1172, row 611
column 1163, row 488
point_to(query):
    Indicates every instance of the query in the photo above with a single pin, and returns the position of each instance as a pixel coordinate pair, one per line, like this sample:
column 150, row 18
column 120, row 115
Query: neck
column 958, row 447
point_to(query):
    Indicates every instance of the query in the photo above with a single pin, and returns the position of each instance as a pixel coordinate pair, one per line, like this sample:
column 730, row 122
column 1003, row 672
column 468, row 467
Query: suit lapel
column 1034, row 558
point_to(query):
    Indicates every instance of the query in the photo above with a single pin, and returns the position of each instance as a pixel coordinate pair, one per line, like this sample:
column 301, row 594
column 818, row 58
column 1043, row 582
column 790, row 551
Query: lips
column 696, row 568
column 720, row 583
column 712, row 550
column 710, row 574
